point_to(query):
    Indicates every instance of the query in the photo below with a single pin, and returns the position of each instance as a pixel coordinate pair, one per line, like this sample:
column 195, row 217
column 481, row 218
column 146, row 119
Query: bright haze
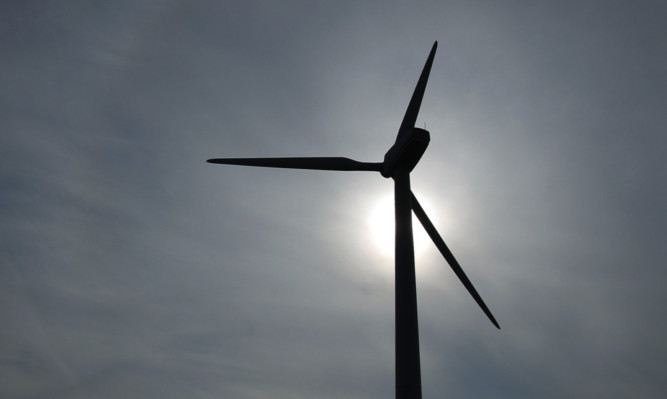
column 130, row 268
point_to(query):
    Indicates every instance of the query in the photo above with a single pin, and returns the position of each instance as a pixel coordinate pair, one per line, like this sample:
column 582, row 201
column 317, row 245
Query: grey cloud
column 131, row 268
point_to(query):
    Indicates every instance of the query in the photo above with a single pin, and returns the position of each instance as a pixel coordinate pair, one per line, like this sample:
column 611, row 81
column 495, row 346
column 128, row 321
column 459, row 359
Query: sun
column 381, row 224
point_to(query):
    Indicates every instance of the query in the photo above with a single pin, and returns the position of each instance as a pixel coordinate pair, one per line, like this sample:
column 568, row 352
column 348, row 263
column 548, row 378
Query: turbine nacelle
column 406, row 152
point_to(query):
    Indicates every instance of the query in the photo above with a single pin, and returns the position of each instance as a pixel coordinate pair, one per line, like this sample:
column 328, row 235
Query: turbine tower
column 410, row 144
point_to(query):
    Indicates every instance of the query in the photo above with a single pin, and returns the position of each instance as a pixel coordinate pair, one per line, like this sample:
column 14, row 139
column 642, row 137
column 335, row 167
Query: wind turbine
column 399, row 161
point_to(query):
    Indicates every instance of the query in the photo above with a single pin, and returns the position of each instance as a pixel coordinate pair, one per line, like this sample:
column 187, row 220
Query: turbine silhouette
column 399, row 161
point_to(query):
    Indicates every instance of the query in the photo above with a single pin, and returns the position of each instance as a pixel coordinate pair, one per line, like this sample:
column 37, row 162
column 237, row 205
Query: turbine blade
column 410, row 117
column 444, row 250
column 316, row 163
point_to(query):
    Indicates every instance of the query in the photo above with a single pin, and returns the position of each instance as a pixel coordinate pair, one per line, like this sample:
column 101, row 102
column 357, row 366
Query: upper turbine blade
column 410, row 117
column 317, row 163
column 444, row 250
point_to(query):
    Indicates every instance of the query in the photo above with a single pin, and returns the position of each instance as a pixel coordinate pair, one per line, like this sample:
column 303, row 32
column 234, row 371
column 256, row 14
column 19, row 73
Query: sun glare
column 381, row 223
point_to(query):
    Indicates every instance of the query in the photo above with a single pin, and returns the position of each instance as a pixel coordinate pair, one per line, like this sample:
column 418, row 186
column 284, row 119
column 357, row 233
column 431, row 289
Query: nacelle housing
column 406, row 151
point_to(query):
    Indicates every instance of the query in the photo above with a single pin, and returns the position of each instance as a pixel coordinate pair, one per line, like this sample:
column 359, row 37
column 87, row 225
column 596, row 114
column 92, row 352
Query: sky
column 131, row 268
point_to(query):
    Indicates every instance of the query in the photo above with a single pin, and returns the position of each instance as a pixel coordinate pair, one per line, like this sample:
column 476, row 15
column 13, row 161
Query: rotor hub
column 406, row 151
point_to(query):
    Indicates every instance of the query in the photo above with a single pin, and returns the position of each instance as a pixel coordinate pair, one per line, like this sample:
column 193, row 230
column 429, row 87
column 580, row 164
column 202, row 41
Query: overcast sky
column 130, row 268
